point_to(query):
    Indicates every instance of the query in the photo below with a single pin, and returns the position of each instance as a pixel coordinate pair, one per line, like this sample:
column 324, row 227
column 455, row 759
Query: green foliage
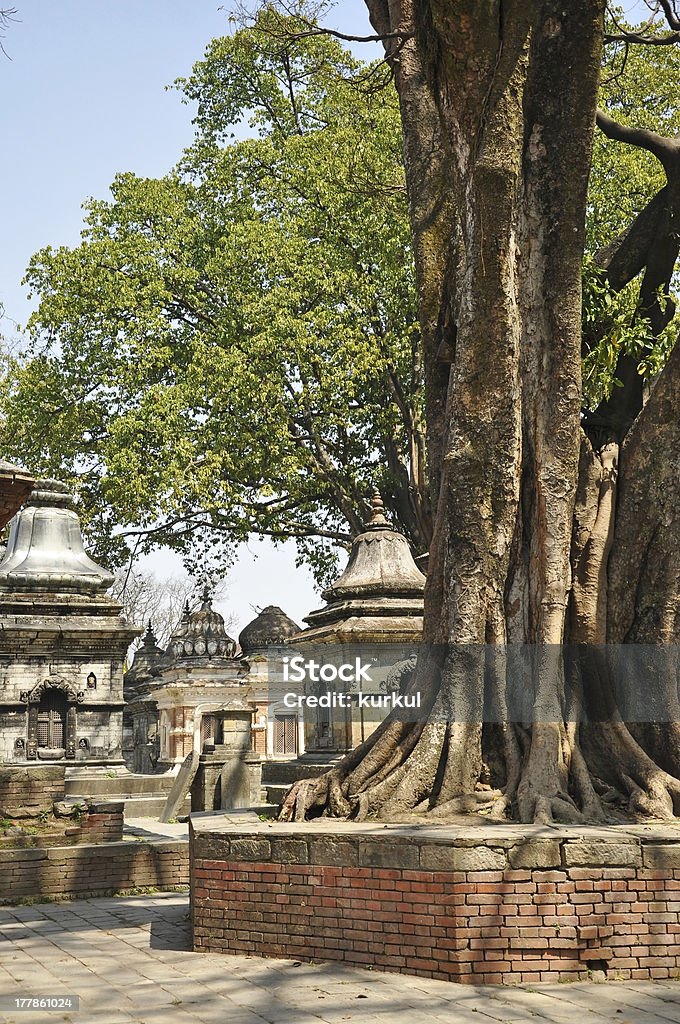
column 232, row 349
column 639, row 89
column 218, row 356
column 611, row 325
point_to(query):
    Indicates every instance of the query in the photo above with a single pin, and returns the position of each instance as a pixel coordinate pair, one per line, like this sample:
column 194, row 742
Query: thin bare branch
column 670, row 10
column 7, row 15
column 645, row 34
column 645, row 40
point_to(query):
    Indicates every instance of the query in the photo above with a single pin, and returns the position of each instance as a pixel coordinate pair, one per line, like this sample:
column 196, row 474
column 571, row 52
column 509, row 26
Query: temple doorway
column 285, row 735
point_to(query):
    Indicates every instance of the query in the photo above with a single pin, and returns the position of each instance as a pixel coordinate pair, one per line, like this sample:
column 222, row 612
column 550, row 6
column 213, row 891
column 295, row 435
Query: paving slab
column 130, row 961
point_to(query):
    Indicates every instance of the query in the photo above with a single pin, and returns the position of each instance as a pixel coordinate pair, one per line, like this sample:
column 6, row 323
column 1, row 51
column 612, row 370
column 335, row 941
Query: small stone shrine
column 229, row 773
column 377, row 600
column 278, row 731
column 63, row 641
column 141, row 738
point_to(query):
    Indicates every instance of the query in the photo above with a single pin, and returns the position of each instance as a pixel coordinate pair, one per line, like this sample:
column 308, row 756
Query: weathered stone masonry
column 472, row 905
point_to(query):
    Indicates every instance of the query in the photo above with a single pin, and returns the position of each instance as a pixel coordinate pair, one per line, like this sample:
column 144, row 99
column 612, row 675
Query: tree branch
column 644, row 34
column 7, row 14
column 316, row 30
column 290, row 530
column 627, row 254
column 668, row 8
column 664, row 149
column 644, row 40
column 644, row 569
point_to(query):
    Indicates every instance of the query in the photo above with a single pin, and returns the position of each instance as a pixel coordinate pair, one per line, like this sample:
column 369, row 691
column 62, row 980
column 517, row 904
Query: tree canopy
column 232, row 349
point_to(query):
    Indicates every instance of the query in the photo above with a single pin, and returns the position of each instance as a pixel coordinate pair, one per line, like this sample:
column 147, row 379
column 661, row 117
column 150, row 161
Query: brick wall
column 103, row 823
column 78, row 871
column 441, row 902
column 24, row 792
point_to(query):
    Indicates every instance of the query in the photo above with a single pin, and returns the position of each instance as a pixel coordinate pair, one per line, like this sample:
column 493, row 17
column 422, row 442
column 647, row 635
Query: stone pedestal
column 226, row 781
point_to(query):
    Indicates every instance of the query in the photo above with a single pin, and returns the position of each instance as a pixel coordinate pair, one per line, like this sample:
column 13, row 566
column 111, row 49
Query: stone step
column 121, row 786
column 140, row 805
column 151, row 806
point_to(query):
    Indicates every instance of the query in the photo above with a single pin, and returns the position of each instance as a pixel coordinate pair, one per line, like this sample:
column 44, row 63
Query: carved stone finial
column 149, row 639
column 377, row 511
column 206, row 599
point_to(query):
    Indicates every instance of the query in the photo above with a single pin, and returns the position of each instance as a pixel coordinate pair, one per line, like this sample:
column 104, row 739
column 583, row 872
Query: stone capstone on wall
column 65, row 872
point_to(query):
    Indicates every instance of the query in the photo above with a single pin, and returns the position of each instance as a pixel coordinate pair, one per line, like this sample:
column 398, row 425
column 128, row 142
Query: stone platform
column 480, row 904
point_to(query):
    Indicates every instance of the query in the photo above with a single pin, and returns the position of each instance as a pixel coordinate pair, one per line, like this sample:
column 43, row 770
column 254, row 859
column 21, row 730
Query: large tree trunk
column 498, row 109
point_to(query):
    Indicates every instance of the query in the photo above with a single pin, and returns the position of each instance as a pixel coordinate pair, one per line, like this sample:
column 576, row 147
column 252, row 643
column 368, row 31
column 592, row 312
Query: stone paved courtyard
column 129, row 960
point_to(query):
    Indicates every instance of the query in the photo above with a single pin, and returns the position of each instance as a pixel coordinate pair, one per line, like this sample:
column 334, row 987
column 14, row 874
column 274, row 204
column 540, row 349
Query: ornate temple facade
column 176, row 699
column 63, row 641
column 183, row 698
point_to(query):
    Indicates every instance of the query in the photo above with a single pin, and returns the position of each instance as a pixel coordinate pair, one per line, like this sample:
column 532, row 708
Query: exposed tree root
column 400, row 770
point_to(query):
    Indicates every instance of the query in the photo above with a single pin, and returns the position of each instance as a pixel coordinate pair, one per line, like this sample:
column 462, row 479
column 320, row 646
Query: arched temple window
column 52, row 718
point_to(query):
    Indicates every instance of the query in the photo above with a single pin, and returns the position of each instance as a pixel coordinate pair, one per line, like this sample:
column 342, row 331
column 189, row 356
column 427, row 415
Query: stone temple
column 376, row 603
column 172, row 696
column 278, row 731
column 63, row 640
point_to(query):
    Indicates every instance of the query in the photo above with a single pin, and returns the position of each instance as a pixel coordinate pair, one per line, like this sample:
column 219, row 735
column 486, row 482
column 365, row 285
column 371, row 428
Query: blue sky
column 83, row 98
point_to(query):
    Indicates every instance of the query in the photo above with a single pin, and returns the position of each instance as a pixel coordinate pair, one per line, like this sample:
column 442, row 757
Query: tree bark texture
column 539, row 538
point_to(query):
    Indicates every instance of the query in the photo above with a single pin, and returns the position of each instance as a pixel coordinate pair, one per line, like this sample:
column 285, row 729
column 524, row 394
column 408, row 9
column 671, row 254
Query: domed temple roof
column 45, row 548
column 380, row 562
column 379, row 596
column 272, row 627
column 201, row 635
